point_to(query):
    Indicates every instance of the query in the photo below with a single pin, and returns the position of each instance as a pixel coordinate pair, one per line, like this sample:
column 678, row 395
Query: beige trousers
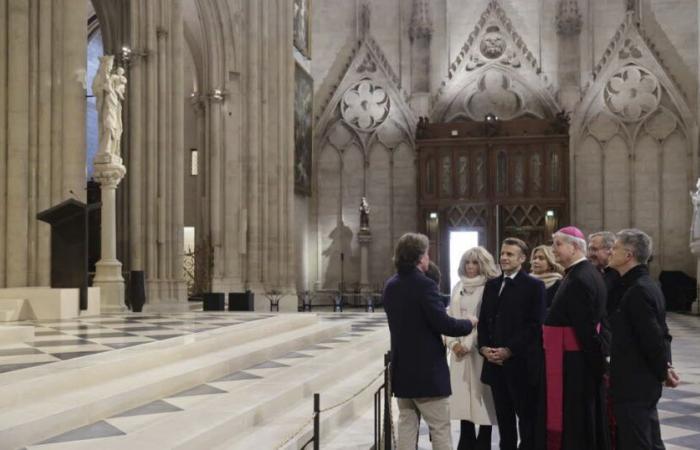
column 435, row 411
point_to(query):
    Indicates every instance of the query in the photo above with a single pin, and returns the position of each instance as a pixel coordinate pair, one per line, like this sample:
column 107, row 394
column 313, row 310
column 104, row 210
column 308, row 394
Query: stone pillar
column 109, row 171
column 695, row 241
column 420, row 33
column 42, row 121
column 364, row 237
column 569, row 23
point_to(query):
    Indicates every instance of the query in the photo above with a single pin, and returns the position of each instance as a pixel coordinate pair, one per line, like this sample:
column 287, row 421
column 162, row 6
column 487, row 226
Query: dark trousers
column 515, row 400
column 468, row 440
column 638, row 426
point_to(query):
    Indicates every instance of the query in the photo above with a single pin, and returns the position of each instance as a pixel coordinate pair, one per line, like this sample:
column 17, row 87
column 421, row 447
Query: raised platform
column 245, row 382
column 43, row 303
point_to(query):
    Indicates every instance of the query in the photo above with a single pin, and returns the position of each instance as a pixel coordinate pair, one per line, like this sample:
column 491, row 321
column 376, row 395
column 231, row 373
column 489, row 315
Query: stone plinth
column 109, row 171
column 364, row 237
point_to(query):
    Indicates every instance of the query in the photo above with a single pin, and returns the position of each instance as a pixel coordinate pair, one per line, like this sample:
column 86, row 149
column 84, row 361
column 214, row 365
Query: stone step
column 69, row 409
column 219, row 421
column 41, row 382
column 348, row 396
column 10, row 334
column 11, row 309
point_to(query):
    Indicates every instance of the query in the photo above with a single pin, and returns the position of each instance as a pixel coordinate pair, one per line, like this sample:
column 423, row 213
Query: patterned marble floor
column 679, row 409
column 66, row 339
column 140, row 417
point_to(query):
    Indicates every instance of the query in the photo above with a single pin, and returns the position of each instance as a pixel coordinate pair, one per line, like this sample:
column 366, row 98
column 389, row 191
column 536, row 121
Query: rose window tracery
column 632, row 93
column 365, row 105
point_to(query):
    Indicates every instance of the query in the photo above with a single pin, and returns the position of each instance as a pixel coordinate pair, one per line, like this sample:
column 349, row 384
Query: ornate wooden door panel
column 511, row 180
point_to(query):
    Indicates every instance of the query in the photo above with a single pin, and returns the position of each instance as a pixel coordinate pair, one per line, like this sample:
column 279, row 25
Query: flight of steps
column 257, row 411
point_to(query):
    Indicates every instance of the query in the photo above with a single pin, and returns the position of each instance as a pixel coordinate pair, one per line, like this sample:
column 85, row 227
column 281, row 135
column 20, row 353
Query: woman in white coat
column 471, row 402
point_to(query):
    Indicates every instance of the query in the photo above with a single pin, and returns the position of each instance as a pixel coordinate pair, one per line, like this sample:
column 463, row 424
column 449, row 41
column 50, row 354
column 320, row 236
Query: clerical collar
column 575, row 263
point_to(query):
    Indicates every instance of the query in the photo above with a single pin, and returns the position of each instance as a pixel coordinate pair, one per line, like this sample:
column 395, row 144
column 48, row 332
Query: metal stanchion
column 317, row 421
column 387, row 402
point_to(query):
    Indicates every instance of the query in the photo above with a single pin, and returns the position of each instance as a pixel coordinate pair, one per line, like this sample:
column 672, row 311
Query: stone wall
column 629, row 167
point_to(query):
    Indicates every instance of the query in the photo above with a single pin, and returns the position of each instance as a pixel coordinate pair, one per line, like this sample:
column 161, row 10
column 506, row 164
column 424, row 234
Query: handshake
column 473, row 319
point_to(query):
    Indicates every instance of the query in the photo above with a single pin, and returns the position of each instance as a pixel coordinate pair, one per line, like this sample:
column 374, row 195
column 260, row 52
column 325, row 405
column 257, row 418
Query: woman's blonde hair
column 487, row 266
column 549, row 257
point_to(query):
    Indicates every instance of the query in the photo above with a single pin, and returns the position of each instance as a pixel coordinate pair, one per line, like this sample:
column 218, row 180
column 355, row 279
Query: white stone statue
column 695, row 201
column 109, row 87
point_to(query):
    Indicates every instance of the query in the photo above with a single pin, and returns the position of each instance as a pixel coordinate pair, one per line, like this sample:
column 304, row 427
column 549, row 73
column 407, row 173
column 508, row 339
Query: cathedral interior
column 274, row 151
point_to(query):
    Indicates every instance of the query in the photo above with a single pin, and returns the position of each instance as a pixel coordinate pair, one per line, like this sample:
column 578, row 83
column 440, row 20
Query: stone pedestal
column 109, row 171
column 695, row 250
column 364, row 237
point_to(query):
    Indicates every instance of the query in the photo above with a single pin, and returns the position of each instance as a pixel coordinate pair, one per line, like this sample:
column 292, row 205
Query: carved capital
column 568, row 19
column 109, row 170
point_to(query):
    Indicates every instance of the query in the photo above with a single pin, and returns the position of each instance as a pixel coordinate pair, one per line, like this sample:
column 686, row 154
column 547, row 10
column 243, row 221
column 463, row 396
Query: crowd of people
column 571, row 356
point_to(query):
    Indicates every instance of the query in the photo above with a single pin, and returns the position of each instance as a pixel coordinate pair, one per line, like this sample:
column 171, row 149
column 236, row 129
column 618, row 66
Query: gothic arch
column 367, row 113
column 496, row 65
column 634, row 108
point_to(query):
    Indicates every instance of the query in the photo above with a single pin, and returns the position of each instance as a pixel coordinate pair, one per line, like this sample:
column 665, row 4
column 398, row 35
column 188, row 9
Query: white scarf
column 549, row 278
column 470, row 285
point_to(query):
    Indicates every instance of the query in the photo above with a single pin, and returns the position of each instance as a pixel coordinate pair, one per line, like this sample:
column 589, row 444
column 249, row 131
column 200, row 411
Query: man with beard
column 575, row 352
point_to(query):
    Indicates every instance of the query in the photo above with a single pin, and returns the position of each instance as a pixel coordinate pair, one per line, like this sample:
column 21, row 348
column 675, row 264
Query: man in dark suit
column 510, row 339
column 417, row 320
column 640, row 356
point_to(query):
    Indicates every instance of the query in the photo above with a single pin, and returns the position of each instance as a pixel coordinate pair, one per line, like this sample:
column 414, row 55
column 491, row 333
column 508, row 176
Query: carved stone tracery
column 632, row 93
column 365, row 105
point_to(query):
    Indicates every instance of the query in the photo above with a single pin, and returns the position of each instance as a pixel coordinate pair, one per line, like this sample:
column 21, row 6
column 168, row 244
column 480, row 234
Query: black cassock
column 579, row 307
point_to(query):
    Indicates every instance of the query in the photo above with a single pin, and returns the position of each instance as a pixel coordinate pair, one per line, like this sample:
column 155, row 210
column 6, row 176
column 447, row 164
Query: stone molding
column 368, row 67
column 494, row 46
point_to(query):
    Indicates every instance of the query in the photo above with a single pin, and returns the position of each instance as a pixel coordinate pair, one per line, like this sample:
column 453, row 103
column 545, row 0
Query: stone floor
column 679, row 409
column 72, row 338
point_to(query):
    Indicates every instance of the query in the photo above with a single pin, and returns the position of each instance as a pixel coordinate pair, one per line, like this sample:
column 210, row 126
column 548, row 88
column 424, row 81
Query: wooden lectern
column 69, row 244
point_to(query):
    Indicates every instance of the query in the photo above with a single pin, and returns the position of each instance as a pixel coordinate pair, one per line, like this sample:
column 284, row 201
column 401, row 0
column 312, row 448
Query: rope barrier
column 310, row 420
column 355, row 395
column 289, row 439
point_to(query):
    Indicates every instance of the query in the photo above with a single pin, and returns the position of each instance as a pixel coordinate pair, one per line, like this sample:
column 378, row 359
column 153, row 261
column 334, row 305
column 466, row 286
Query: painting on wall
column 303, row 110
column 301, row 27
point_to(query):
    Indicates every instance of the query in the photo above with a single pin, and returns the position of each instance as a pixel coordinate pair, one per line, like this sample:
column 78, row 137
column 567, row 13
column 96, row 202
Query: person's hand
column 474, row 320
column 672, row 378
column 459, row 350
column 501, row 354
column 490, row 355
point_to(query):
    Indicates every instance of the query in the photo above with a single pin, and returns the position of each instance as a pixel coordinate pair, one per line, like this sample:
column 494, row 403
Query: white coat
column 471, row 399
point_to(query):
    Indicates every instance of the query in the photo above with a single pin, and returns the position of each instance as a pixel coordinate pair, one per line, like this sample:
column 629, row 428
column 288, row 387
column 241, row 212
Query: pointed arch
column 494, row 47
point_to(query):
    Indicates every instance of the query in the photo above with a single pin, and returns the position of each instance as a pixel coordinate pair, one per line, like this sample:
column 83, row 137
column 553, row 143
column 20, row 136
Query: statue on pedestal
column 364, row 214
column 109, row 87
column 695, row 202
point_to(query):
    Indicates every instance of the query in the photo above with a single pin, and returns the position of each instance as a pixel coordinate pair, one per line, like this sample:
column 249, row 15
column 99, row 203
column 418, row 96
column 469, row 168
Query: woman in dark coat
column 545, row 268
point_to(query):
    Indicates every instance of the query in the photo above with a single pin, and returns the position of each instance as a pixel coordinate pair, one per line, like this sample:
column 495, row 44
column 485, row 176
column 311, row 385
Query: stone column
column 569, row 23
column 695, row 250
column 420, row 34
column 695, row 241
column 364, row 237
column 109, row 171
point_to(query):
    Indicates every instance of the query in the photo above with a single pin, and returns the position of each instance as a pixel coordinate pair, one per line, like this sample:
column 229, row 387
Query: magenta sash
column 557, row 340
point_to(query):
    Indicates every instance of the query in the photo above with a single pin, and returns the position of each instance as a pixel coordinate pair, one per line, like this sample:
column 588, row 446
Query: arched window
column 94, row 51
